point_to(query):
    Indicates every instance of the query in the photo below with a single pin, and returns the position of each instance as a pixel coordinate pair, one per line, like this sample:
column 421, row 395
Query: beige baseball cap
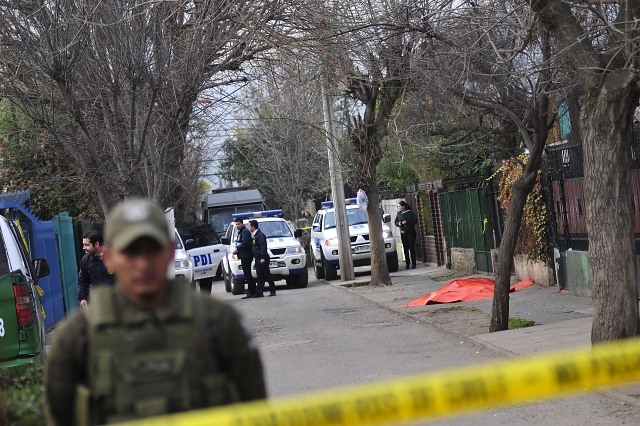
column 135, row 218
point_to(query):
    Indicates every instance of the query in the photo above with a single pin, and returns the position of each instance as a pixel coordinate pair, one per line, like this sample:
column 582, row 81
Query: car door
column 316, row 235
column 206, row 257
column 9, row 335
column 21, row 323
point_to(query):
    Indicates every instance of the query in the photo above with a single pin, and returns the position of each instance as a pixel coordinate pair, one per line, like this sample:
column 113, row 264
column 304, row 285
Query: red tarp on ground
column 464, row 290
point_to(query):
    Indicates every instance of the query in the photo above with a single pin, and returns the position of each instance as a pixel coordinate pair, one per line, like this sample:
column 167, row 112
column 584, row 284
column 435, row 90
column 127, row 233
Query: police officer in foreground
column 147, row 345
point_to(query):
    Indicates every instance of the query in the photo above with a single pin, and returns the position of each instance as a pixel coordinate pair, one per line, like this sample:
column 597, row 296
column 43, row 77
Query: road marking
column 289, row 343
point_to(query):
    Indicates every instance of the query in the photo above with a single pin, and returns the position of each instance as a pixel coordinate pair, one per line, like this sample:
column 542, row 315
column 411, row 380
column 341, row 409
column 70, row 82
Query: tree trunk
column 609, row 208
column 379, row 270
column 504, row 254
column 607, row 69
column 519, row 192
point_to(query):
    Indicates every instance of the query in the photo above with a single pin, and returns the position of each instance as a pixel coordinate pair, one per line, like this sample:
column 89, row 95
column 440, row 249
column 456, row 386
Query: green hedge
column 22, row 401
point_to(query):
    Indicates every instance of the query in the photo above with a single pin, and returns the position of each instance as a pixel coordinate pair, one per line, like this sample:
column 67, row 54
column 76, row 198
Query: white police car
column 288, row 259
column 206, row 253
column 324, row 240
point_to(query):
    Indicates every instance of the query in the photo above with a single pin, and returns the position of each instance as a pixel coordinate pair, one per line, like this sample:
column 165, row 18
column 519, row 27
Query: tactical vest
column 151, row 367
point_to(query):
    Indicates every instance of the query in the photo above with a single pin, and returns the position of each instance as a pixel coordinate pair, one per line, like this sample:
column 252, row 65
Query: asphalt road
column 322, row 336
column 325, row 336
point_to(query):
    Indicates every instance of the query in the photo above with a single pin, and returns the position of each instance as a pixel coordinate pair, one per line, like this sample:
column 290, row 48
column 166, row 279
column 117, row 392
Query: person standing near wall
column 92, row 270
column 406, row 220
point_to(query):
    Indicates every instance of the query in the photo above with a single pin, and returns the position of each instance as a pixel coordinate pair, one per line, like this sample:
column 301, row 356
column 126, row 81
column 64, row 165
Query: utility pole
column 337, row 186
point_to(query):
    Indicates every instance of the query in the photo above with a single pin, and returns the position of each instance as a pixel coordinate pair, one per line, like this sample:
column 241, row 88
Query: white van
column 324, row 240
column 288, row 259
column 198, row 254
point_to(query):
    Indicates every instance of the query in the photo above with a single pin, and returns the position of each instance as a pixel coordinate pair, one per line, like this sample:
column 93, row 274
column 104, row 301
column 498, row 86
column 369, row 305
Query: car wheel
column 237, row 286
column 291, row 280
column 227, row 281
column 205, row 285
column 298, row 281
column 303, row 280
column 392, row 262
column 330, row 271
column 317, row 269
column 219, row 272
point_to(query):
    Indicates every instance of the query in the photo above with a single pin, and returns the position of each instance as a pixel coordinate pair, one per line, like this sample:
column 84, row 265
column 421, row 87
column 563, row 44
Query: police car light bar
column 254, row 215
column 329, row 204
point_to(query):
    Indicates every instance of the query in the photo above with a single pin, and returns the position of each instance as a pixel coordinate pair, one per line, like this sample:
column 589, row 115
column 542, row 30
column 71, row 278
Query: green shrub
column 520, row 323
column 22, row 401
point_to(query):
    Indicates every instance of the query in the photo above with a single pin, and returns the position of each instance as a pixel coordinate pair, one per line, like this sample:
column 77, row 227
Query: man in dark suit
column 244, row 251
column 406, row 220
column 261, row 257
column 92, row 270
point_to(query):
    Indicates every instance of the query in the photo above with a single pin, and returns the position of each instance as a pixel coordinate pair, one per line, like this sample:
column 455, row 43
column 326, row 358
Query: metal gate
column 467, row 221
column 40, row 239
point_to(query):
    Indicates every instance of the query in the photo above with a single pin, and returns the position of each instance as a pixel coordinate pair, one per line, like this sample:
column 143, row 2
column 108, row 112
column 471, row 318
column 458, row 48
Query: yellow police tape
column 434, row 395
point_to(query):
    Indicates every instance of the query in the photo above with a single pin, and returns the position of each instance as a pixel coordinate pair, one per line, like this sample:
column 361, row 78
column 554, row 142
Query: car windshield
column 178, row 242
column 275, row 229
column 271, row 229
column 354, row 217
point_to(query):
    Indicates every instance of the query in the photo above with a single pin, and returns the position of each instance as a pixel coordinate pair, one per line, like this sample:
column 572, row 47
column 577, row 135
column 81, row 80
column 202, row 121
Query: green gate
column 467, row 221
column 68, row 263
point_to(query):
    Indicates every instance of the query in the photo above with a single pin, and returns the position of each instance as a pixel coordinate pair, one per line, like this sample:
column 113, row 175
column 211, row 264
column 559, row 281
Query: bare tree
column 599, row 41
column 500, row 62
column 115, row 83
column 438, row 136
column 371, row 49
column 279, row 146
column 30, row 160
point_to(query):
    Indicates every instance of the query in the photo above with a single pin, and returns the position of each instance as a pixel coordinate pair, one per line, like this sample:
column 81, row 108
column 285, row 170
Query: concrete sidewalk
column 562, row 321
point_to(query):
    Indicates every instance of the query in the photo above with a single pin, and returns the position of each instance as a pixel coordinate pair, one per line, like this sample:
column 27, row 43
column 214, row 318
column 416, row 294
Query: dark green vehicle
column 21, row 325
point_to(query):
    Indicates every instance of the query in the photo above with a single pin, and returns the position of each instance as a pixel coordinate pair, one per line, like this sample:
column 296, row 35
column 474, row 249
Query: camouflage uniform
column 115, row 361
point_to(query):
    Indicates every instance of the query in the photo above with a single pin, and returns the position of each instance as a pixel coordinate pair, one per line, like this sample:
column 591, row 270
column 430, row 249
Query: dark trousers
column 248, row 276
column 409, row 246
column 264, row 275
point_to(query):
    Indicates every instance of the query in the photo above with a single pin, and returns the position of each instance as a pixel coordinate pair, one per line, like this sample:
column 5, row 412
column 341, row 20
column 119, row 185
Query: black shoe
column 271, row 294
column 259, row 295
column 248, row 296
column 408, row 266
column 413, row 266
